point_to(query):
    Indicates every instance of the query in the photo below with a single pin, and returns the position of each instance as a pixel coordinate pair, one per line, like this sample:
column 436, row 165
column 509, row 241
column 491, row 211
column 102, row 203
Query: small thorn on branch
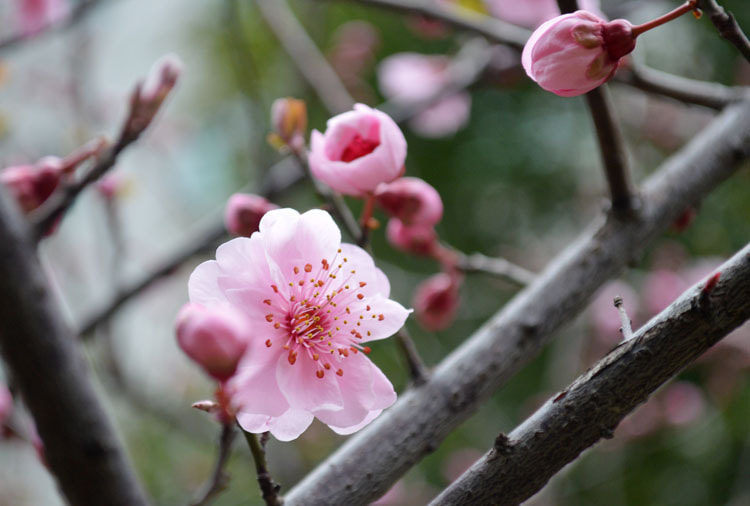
column 708, row 287
column 627, row 331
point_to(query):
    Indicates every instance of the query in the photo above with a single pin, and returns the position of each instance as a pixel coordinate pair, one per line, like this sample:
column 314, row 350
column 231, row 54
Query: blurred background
column 519, row 173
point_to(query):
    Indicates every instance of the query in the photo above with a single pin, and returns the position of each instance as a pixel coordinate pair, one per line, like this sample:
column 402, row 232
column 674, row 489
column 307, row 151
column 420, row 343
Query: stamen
column 360, row 296
column 267, row 301
column 308, row 267
column 327, row 366
column 362, row 284
column 367, row 349
column 269, row 317
column 292, row 357
column 320, row 373
column 296, row 269
column 340, row 372
column 268, row 343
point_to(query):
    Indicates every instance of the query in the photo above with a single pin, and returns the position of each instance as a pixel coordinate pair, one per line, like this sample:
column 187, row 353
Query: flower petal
column 303, row 389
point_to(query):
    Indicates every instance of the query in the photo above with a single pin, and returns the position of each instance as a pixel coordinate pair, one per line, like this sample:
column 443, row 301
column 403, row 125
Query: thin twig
column 690, row 91
column 495, row 266
column 459, row 17
column 77, row 14
column 219, row 478
column 727, row 26
column 306, row 55
column 421, row 418
column 417, row 370
column 593, row 405
column 625, row 328
column 268, row 488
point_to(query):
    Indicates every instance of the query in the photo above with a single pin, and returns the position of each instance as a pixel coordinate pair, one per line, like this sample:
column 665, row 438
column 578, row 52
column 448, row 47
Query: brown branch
column 80, row 444
column 593, row 405
column 417, row 369
column 77, row 14
column 459, row 17
column 305, row 54
column 269, row 489
column 495, row 266
column 424, row 416
column 727, row 26
column 690, row 91
column 219, row 478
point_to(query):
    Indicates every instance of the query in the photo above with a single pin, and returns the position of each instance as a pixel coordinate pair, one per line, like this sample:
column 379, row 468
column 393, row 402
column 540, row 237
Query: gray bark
column 370, row 462
column 588, row 410
column 81, row 448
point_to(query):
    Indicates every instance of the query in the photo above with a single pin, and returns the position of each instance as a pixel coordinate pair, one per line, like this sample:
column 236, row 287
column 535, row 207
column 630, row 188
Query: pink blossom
column 436, row 301
column 6, row 404
column 410, row 78
column 31, row 185
column 661, row 288
column 359, row 150
column 411, row 200
column 532, row 13
column 243, row 213
column 682, row 403
column 572, row 54
column 312, row 303
column 214, row 337
column 419, row 239
column 34, row 15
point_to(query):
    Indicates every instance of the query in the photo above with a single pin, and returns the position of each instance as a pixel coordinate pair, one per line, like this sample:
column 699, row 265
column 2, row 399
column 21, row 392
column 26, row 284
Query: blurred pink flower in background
column 682, row 403
column 436, row 301
column 6, row 403
column 532, row 13
column 214, row 337
column 660, row 288
column 410, row 78
column 572, row 54
column 411, row 200
column 34, row 15
column 359, row 150
column 418, row 239
column 243, row 213
column 352, row 55
column 604, row 317
column 311, row 303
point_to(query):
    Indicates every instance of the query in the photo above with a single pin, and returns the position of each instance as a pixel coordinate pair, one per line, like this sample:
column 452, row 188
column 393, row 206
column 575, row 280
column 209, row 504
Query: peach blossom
column 411, row 200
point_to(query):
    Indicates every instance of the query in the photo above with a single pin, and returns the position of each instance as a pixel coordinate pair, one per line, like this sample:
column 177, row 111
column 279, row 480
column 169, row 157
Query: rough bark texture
column 81, row 448
column 370, row 462
column 592, row 406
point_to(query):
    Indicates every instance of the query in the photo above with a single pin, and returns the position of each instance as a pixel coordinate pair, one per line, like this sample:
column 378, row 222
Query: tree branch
column 424, row 416
column 80, row 444
column 268, row 487
column 305, row 54
column 495, row 266
column 727, row 26
column 219, row 479
column 593, row 405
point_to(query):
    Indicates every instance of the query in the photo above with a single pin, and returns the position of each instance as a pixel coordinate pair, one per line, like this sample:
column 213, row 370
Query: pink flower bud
column 572, row 54
column 418, row 239
column 161, row 78
column 32, row 185
column 35, row 15
column 243, row 213
column 411, row 200
column 436, row 301
column 289, row 119
column 359, row 150
column 215, row 338
column 682, row 403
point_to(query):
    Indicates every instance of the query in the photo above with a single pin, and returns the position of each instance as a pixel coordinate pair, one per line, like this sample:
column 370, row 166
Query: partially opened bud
column 289, row 119
column 215, row 338
column 411, row 200
column 243, row 213
column 418, row 239
column 31, row 185
column 436, row 301
column 572, row 54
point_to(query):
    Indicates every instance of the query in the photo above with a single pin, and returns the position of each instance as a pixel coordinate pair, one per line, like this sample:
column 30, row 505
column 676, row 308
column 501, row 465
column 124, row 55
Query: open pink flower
column 532, row 13
column 359, row 150
column 572, row 54
column 411, row 200
column 409, row 78
column 34, row 15
column 312, row 304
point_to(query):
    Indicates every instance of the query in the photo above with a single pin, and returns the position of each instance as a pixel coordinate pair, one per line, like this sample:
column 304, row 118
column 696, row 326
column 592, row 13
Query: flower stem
column 365, row 219
column 688, row 6
column 268, row 488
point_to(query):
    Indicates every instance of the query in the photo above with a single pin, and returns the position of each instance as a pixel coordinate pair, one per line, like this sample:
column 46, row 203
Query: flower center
column 321, row 315
column 358, row 147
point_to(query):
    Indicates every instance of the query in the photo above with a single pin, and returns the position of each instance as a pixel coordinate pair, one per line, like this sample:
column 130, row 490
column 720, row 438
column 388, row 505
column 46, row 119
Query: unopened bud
column 32, row 185
column 289, row 119
column 214, row 337
column 436, row 301
column 411, row 200
column 417, row 239
column 243, row 213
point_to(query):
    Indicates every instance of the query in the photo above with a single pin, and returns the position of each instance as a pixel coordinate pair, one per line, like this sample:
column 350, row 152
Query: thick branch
column 727, row 26
column 307, row 58
column 425, row 415
column 459, row 17
column 594, row 404
column 80, row 444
